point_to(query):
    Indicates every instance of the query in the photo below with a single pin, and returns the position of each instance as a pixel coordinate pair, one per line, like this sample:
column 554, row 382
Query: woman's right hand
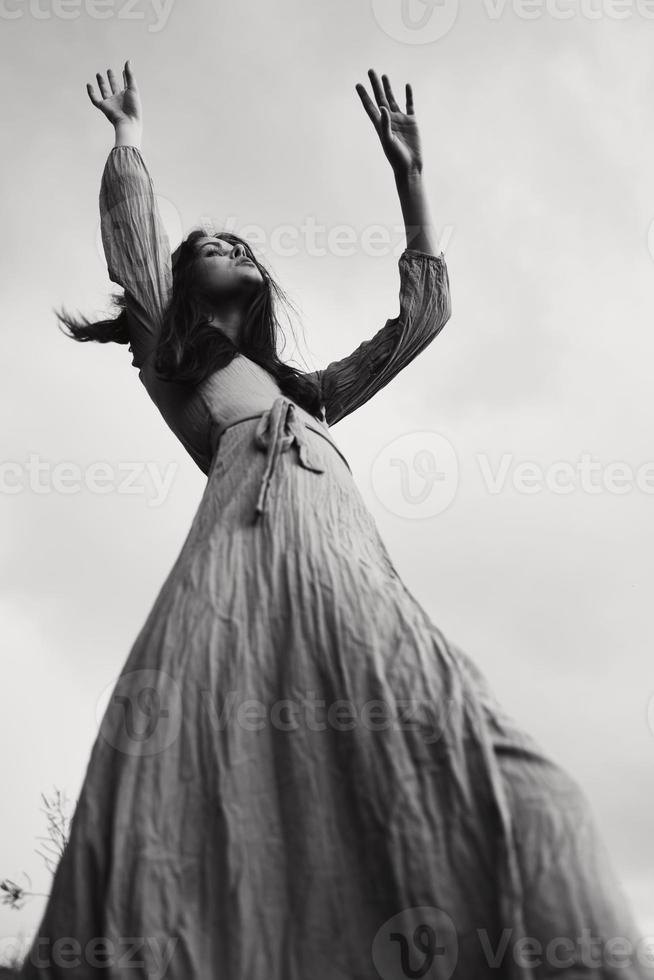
column 122, row 107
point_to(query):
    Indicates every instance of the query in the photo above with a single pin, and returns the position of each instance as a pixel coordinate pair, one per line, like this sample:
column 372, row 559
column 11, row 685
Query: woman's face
column 224, row 271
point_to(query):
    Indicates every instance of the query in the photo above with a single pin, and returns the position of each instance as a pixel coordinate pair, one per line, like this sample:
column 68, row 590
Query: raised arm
column 348, row 383
column 425, row 305
column 135, row 242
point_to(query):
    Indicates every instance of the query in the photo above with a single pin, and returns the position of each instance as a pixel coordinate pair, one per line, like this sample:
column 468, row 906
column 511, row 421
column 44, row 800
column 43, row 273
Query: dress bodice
column 199, row 416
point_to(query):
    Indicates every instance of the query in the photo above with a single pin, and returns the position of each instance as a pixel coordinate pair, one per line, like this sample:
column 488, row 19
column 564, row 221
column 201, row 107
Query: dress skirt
column 297, row 777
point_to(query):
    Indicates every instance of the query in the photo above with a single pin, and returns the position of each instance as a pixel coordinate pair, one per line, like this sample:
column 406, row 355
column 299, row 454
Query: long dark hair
column 190, row 348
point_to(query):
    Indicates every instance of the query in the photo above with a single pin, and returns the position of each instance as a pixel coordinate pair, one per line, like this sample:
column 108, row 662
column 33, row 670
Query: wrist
column 128, row 133
column 408, row 177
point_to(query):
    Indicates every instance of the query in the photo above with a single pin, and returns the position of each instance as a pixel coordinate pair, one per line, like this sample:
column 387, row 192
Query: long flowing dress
column 298, row 777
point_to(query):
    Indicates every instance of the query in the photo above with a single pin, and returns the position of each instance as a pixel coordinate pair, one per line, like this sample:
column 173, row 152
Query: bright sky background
column 539, row 147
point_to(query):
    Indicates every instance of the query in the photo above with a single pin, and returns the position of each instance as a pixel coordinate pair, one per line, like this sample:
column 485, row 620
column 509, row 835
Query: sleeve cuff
column 410, row 252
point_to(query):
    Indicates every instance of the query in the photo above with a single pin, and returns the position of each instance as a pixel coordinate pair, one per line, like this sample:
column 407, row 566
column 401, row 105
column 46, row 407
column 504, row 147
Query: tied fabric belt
column 280, row 427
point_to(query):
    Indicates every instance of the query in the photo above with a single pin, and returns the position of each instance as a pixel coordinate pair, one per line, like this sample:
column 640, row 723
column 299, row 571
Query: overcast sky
column 538, row 134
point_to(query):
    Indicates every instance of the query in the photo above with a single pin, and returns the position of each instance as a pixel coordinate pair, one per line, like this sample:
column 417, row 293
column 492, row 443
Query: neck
column 229, row 319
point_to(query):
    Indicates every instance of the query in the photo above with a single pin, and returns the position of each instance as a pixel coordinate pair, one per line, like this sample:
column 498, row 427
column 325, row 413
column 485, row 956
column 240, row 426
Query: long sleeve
column 424, row 310
column 136, row 246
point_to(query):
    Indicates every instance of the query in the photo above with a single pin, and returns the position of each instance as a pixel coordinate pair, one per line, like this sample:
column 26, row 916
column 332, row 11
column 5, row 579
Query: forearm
column 135, row 242
column 128, row 134
column 420, row 232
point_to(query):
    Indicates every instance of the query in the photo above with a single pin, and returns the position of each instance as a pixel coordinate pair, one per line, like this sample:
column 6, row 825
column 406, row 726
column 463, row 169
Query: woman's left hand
column 397, row 130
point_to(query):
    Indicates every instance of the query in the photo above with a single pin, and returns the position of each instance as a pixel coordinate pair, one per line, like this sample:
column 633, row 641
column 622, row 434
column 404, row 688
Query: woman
column 298, row 777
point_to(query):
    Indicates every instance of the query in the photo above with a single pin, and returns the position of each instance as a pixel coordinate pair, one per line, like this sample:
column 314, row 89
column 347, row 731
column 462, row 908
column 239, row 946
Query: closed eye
column 217, row 251
column 213, row 250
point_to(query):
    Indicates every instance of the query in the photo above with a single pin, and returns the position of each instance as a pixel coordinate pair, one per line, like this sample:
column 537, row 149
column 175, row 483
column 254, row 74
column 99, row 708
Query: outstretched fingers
column 102, row 85
column 409, row 100
column 91, row 92
column 396, row 129
column 129, row 82
column 385, row 98
column 394, row 107
column 128, row 75
column 377, row 89
column 369, row 106
column 112, row 81
column 103, row 89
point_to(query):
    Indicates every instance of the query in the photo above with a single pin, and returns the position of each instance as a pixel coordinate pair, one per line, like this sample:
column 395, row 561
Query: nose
column 238, row 251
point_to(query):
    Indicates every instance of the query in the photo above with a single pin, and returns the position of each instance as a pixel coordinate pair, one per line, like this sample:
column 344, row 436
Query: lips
column 245, row 262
